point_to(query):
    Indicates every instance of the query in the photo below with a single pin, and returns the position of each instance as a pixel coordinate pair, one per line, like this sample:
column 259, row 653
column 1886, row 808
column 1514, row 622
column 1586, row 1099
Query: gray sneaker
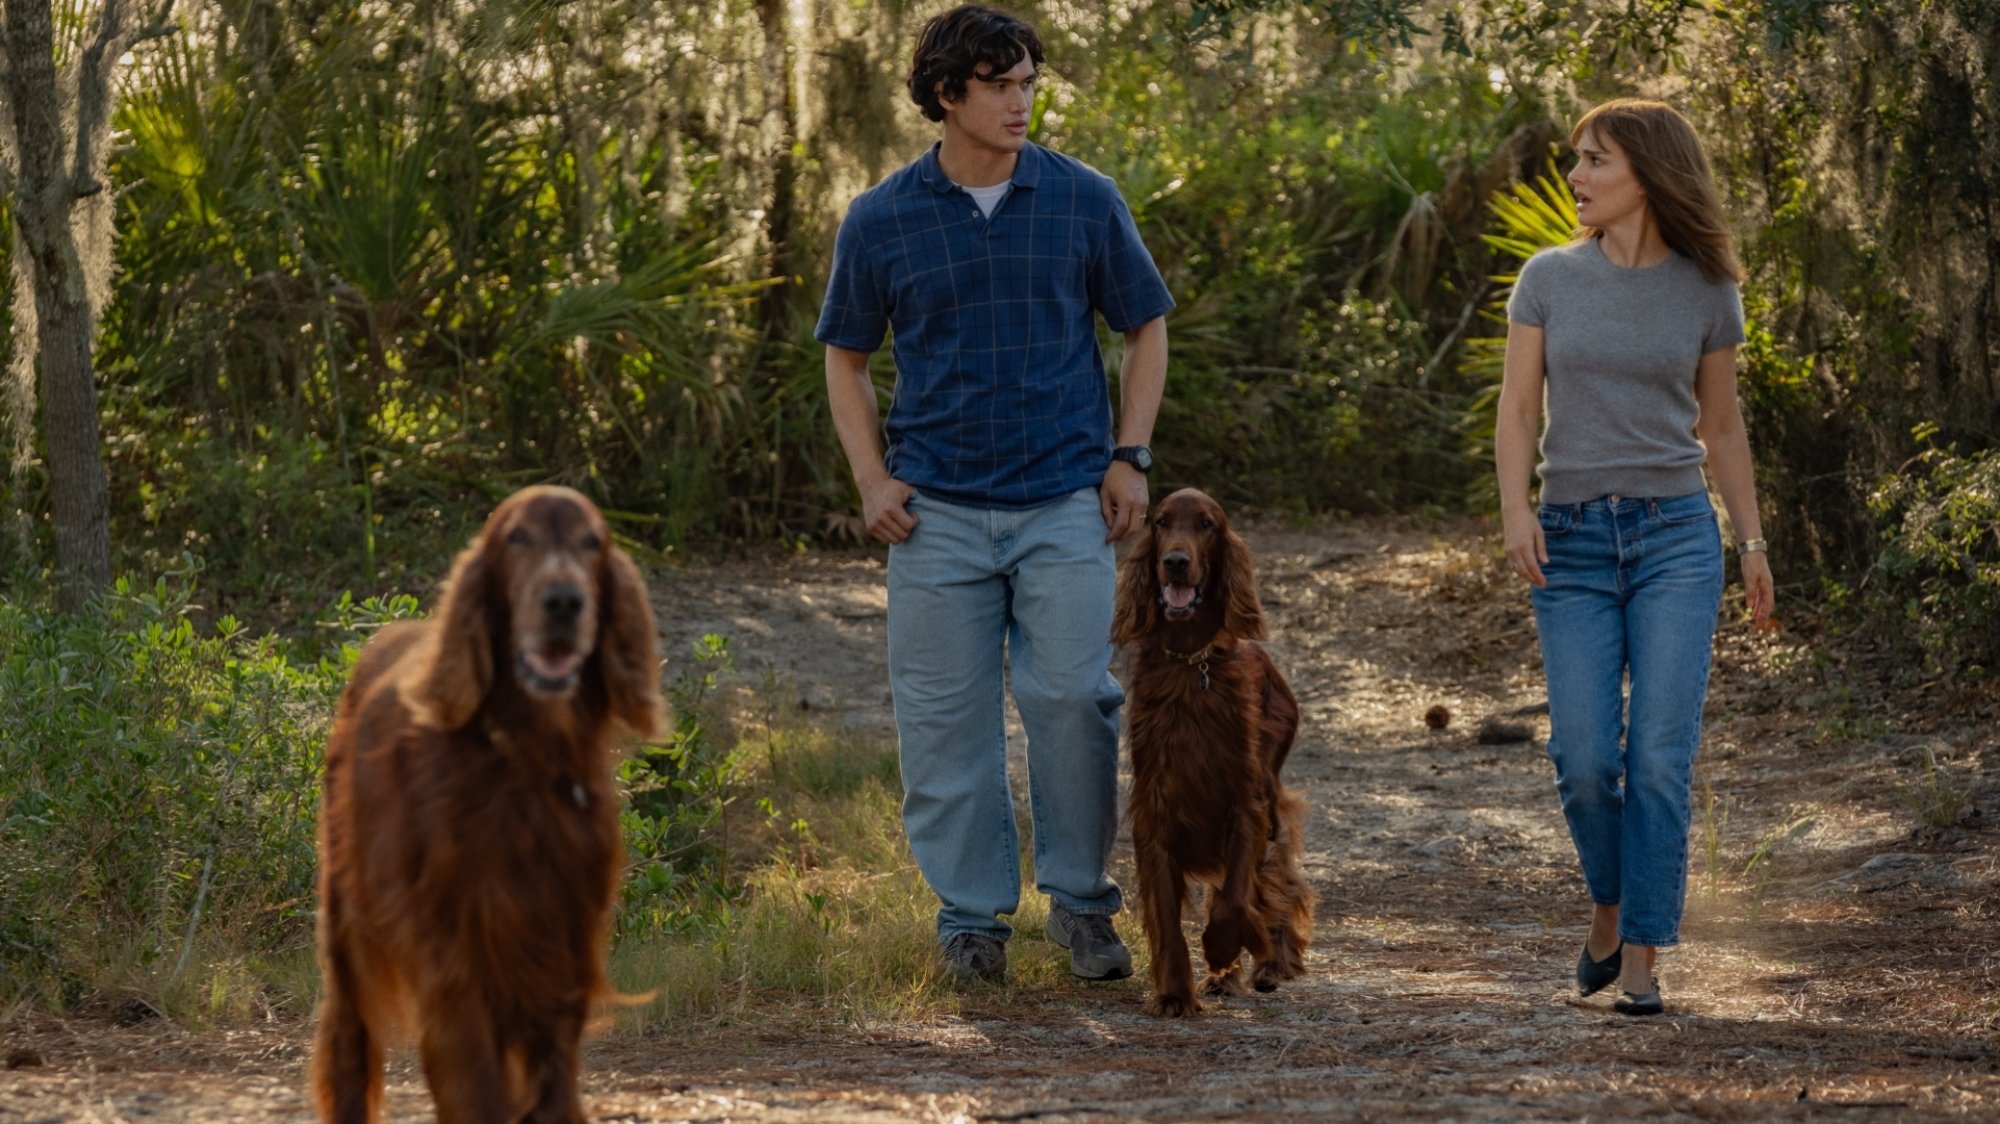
column 975, row 956
column 1095, row 952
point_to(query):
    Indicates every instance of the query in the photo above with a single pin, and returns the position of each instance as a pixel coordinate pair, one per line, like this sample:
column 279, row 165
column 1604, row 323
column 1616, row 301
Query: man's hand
column 882, row 510
column 1122, row 497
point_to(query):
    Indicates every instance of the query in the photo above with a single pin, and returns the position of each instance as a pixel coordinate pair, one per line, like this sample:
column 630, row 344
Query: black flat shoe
column 1647, row 1004
column 1593, row 976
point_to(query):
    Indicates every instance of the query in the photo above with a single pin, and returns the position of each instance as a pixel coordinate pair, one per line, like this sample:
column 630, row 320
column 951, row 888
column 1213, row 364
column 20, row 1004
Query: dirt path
column 1849, row 974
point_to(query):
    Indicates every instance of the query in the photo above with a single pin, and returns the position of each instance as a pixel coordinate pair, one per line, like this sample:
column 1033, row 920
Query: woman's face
column 1606, row 188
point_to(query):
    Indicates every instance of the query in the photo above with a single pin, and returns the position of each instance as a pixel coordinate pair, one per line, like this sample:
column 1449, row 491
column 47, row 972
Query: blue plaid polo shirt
column 1001, row 398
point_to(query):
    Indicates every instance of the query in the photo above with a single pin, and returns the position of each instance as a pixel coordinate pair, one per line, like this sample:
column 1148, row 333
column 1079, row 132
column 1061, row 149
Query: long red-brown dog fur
column 1210, row 721
column 469, row 844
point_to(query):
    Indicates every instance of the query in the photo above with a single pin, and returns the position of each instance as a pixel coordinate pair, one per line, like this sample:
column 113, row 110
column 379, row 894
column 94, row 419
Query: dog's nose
column 562, row 602
column 1176, row 562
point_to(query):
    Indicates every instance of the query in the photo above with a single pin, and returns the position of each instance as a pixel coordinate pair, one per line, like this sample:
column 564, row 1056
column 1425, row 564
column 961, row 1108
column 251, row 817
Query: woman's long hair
column 1673, row 170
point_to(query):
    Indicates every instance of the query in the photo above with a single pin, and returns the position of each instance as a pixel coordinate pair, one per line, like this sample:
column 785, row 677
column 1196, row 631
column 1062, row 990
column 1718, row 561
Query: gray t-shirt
column 1620, row 349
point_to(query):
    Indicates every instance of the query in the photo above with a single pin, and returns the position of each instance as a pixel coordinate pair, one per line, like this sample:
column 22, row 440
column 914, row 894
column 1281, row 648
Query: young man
column 1002, row 491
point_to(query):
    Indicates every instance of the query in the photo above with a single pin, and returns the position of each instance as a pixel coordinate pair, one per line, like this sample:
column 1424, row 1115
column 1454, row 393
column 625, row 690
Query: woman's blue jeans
column 968, row 585
column 1634, row 586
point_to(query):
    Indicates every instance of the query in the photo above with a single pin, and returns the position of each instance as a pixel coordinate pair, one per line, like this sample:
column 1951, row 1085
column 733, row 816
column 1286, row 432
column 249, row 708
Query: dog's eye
column 589, row 544
column 517, row 537
column 1207, row 524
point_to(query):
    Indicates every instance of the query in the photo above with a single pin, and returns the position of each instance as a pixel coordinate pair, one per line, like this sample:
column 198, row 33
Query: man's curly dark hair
column 970, row 41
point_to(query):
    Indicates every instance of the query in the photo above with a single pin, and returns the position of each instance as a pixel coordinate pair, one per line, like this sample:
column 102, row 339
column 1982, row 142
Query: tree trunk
column 79, row 498
column 780, row 213
column 59, row 121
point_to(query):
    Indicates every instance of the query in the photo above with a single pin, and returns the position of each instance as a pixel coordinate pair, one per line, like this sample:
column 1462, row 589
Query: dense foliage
column 381, row 264
column 378, row 265
column 1862, row 144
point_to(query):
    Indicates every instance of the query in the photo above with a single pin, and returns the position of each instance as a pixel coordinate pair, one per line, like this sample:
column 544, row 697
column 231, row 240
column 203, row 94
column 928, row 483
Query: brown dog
column 1210, row 721
column 469, row 845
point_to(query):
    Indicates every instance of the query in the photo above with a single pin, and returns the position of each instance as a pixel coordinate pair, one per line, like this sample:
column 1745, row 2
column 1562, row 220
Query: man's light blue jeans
column 967, row 585
column 1634, row 586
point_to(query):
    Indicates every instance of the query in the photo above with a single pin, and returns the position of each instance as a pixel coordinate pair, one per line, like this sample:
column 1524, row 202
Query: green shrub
column 1354, row 425
column 281, row 520
column 678, row 793
column 158, row 789
column 1302, row 209
column 1940, row 561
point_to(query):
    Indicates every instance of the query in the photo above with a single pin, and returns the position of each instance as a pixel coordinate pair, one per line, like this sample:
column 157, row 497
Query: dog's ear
column 461, row 638
column 1242, row 613
column 629, row 645
column 1136, row 613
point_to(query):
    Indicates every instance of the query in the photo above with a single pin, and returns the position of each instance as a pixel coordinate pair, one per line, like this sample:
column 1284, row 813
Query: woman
column 1630, row 331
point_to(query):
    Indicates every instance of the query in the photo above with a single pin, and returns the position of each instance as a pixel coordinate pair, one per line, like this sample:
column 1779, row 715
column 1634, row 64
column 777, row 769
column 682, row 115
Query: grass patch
column 1937, row 795
column 822, row 907
column 820, row 904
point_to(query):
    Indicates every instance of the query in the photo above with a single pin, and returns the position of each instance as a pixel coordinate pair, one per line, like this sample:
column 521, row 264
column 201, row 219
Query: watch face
column 1138, row 456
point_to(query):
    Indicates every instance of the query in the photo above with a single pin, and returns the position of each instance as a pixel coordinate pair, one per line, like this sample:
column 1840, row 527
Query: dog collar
column 1201, row 656
column 1197, row 660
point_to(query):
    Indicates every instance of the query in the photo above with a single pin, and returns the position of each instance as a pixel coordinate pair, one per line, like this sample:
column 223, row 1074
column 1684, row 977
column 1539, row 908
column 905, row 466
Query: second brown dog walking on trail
column 1210, row 722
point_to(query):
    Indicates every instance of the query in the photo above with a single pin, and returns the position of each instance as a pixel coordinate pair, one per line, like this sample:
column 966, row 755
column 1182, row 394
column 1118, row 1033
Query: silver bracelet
column 1750, row 546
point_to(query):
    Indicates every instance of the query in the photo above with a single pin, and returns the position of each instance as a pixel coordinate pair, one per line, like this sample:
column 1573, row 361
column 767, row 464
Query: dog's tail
column 606, row 1001
column 1292, row 829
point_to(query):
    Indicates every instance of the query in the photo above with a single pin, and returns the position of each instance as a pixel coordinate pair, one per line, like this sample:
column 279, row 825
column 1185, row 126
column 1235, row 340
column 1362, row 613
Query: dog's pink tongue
column 1179, row 596
column 552, row 666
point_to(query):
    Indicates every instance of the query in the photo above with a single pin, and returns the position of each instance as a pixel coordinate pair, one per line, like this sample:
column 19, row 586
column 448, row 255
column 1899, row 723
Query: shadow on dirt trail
column 1838, row 962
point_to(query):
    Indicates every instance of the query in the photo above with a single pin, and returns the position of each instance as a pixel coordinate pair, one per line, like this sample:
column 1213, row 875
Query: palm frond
column 1527, row 219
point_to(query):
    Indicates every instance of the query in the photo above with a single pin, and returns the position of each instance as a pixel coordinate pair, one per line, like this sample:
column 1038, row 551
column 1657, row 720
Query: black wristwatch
column 1138, row 456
